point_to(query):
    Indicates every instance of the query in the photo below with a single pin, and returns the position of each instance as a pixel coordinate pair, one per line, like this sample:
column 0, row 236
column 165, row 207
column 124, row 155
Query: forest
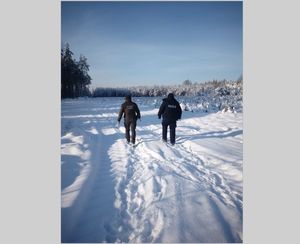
column 75, row 79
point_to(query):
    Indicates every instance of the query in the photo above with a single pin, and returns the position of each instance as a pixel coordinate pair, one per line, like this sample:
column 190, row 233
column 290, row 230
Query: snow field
column 153, row 192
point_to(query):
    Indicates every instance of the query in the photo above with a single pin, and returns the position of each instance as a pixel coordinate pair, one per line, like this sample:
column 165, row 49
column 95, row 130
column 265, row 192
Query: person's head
column 170, row 96
column 128, row 98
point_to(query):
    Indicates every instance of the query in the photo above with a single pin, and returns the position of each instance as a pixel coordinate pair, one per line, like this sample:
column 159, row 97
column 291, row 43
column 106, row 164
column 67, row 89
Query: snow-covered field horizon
column 154, row 192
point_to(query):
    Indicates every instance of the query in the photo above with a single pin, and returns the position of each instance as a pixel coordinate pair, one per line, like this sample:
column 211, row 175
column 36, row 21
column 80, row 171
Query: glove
column 159, row 117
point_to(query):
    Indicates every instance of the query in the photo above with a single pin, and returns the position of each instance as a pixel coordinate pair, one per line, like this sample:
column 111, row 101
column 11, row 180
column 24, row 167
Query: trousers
column 130, row 129
column 172, row 126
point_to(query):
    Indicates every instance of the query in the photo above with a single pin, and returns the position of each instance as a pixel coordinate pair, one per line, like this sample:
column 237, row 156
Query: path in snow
column 112, row 192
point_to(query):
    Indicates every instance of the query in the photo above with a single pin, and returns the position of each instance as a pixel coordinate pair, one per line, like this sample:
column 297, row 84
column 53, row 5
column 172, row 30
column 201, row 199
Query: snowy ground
column 154, row 192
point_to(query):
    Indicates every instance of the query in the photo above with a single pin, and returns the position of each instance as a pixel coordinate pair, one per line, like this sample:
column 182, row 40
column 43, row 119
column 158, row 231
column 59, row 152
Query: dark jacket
column 130, row 110
column 170, row 110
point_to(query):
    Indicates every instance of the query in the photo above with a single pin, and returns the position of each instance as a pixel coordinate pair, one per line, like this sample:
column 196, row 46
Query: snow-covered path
column 154, row 192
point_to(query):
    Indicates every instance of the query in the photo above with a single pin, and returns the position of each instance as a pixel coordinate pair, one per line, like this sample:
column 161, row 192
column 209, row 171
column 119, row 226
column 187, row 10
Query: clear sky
column 146, row 43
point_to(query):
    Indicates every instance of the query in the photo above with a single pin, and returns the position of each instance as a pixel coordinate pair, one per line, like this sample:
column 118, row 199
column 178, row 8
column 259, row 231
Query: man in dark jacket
column 170, row 111
column 131, row 114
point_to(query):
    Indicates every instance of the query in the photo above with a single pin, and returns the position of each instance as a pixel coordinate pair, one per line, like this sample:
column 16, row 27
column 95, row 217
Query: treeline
column 188, row 88
column 75, row 79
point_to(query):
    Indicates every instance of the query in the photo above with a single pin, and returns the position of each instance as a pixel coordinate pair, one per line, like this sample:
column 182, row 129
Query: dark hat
column 128, row 98
column 170, row 95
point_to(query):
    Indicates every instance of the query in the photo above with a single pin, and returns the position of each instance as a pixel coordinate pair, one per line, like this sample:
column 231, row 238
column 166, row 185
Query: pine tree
column 75, row 79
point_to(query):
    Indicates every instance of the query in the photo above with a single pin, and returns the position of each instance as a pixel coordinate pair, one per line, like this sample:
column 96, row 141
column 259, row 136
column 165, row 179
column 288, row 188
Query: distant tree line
column 75, row 79
column 187, row 88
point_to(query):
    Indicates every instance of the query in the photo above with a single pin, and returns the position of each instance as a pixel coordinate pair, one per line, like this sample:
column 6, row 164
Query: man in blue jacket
column 170, row 111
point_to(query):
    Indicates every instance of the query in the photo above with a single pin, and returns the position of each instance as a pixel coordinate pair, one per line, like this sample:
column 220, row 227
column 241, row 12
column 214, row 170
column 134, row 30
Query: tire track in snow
column 71, row 215
column 92, row 216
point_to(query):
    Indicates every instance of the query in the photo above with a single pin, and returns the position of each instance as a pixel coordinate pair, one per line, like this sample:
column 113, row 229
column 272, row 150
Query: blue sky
column 146, row 43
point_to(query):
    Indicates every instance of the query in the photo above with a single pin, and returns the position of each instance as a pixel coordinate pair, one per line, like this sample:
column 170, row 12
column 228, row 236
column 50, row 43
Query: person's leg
column 133, row 133
column 172, row 132
column 127, row 128
column 164, row 131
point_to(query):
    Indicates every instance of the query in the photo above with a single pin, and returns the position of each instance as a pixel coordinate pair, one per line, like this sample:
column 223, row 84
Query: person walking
column 170, row 111
column 131, row 114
